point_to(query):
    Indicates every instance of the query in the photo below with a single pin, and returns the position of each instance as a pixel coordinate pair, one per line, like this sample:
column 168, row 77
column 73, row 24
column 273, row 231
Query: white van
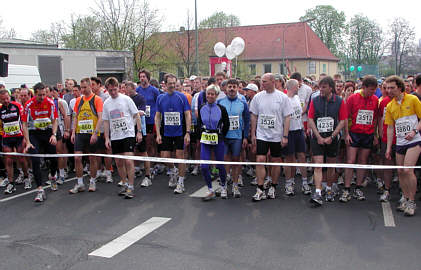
column 21, row 74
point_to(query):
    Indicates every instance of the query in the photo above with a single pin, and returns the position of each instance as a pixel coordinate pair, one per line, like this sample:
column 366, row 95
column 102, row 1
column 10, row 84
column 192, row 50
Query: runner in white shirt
column 271, row 111
column 119, row 115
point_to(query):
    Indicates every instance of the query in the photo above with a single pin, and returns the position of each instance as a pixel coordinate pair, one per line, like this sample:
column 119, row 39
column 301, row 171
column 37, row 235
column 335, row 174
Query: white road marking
column 129, row 238
column 389, row 221
column 200, row 193
column 33, row 191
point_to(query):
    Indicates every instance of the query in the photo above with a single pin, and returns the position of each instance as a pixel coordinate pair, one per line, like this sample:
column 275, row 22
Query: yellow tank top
column 86, row 118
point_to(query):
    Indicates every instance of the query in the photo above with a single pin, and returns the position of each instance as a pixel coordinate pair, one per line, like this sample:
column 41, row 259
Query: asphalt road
column 285, row 233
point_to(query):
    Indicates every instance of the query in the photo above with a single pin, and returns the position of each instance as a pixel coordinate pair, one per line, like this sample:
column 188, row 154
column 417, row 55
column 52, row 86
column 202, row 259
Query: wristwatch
column 286, row 137
column 416, row 131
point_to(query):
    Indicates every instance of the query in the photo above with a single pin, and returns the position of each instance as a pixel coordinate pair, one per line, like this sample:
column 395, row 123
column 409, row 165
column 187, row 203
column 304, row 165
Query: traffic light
column 359, row 68
column 351, row 68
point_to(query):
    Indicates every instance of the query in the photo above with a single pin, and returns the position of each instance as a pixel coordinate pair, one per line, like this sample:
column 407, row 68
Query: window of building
column 252, row 69
column 311, row 67
column 282, row 69
column 324, row 68
column 267, row 68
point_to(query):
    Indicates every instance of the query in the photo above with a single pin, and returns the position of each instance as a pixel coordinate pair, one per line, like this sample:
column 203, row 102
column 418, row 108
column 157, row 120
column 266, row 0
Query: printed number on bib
column 86, row 126
column 172, row 118
column 119, row 124
column 267, row 121
column 325, row 124
column 209, row 138
column 234, row 122
column 403, row 127
column 42, row 123
column 148, row 111
column 297, row 113
column 365, row 117
column 11, row 128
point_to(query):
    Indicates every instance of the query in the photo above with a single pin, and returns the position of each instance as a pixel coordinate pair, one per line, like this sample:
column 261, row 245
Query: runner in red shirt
column 40, row 127
column 363, row 112
column 11, row 114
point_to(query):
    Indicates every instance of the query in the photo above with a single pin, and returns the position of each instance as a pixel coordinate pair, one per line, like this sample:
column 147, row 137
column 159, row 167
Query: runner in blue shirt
column 236, row 138
column 174, row 115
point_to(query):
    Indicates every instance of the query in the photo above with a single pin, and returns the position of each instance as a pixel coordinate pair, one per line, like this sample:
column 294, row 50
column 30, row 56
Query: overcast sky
column 27, row 16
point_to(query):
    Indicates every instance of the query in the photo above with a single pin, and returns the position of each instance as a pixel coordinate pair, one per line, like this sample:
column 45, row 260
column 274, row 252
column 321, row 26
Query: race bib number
column 325, row 124
column 234, row 122
column 42, row 123
column 11, row 128
column 86, row 126
column 403, row 127
column 172, row 119
column 209, row 138
column 267, row 121
column 119, row 124
column 365, row 117
column 148, row 111
column 297, row 113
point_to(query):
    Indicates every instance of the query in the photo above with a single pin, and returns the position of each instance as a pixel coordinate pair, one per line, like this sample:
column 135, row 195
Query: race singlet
column 209, row 138
column 42, row 123
column 11, row 128
column 172, row 119
column 325, row 124
column 365, row 117
column 402, row 127
column 234, row 122
column 119, row 124
column 148, row 111
column 86, row 126
column 267, row 121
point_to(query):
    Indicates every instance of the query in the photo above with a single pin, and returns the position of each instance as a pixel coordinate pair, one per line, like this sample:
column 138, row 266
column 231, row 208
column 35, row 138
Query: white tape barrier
column 213, row 162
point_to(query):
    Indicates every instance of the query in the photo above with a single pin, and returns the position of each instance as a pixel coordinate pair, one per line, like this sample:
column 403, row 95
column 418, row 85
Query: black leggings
column 40, row 140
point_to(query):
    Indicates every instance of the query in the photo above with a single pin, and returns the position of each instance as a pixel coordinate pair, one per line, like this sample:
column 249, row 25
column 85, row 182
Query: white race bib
column 172, row 119
column 11, row 128
column 86, row 126
column 234, row 122
column 325, row 124
column 296, row 113
column 119, row 124
column 365, row 117
column 402, row 127
column 267, row 121
column 42, row 123
column 209, row 138
column 148, row 111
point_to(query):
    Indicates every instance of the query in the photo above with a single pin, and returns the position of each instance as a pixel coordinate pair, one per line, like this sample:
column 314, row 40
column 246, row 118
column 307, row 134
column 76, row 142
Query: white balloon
column 229, row 52
column 238, row 45
column 219, row 49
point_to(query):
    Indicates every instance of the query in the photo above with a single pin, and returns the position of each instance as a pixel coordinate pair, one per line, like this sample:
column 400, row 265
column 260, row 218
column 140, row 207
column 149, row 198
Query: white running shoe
column 289, row 190
column 267, row 183
column 236, row 192
column 224, row 193
column 260, row 195
column 173, row 181
column 146, row 182
column 271, row 193
column 240, row 181
column 341, row 180
column 179, row 189
column 254, row 181
column 27, row 183
column 5, row 182
column 109, row 178
column 19, row 179
column 195, row 171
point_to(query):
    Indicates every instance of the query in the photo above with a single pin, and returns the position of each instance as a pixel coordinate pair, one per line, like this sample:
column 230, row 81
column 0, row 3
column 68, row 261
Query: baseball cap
column 193, row 77
column 251, row 86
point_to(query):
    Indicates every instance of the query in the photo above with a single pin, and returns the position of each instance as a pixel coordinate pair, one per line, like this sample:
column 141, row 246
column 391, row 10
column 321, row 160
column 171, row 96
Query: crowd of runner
column 272, row 118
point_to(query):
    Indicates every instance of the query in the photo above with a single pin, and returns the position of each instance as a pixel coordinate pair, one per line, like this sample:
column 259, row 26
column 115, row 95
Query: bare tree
column 183, row 43
column 402, row 41
column 6, row 33
column 52, row 36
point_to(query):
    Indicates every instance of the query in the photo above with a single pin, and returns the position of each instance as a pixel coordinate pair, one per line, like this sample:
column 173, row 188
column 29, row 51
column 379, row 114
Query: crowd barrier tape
column 213, row 162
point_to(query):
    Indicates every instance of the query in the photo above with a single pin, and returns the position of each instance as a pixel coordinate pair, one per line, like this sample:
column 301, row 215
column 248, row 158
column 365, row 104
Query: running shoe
column 402, row 204
column 289, row 190
column 122, row 191
column 27, row 183
column 53, row 185
column 19, row 179
column 359, row 194
column 195, row 170
column 267, row 183
column 179, row 189
column 77, row 188
column 385, row 197
column 316, row 199
column 305, row 189
column 236, row 192
column 345, row 197
column 271, row 193
column 240, row 181
column 10, row 188
column 254, row 181
column 380, row 186
column 310, row 180
column 4, row 183
column 260, row 195
column 251, row 172
column 298, row 172
column 146, row 182
column 341, row 180
column 41, row 196
column 129, row 193
column 224, row 193
column 173, row 181
column 121, row 183
column 92, row 186
column 209, row 196
column 335, row 189
column 410, row 208
column 330, row 196
column 60, row 180
column 109, row 178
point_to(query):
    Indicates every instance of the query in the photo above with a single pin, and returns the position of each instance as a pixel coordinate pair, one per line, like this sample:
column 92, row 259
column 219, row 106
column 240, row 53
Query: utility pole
column 197, row 38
